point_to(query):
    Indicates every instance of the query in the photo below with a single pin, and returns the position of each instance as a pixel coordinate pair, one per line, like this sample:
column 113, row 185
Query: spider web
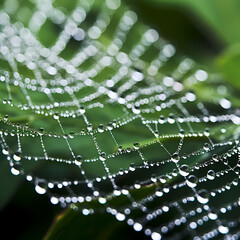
column 100, row 113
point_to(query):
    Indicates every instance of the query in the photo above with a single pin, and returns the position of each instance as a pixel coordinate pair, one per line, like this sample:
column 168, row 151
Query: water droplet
column 159, row 193
column 132, row 167
column 136, row 145
column 192, row 181
column 206, row 147
column 89, row 127
column 120, row 217
column 171, row 119
column 54, row 200
column 16, row 169
column 5, row 151
column 175, row 157
column 137, row 185
column 211, row 175
column 71, row 134
column 163, row 179
column 101, row 128
column 78, row 160
column 110, row 126
column 82, row 110
column 215, row 157
column 120, row 148
column 184, row 170
column 213, row 215
column 41, row 188
column 17, row 156
column 161, row 119
column 156, row 236
column 102, row 156
column 137, row 226
column 102, row 200
column 223, row 229
column 203, row 196
column 56, row 115
column 41, row 131
column 154, row 178
column 181, row 133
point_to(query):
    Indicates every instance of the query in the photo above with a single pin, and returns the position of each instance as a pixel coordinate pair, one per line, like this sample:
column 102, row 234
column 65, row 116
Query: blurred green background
column 206, row 30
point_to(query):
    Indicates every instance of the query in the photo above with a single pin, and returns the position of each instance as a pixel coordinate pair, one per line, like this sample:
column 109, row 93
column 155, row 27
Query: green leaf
column 221, row 16
column 228, row 64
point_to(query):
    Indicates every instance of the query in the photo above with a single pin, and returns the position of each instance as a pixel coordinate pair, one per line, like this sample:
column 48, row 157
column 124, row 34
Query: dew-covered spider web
column 101, row 114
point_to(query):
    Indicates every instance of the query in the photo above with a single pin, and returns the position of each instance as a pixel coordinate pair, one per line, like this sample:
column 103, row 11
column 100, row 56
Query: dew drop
column 54, row 200
column 16, row 170
column 78, row 160
column 120, row 148
column 223, row 229
column 82, row 110
column 89, row 127
column 5, row 151
column 102, row 156
column 101, row 128
column 192, row 181
column 41, row 131
column 175, row 157
column 213, row 215
column 110, row 126
column 120, row 217
column 41, row 188
column 184, row 170
column 154, row 178
column 5, row 117
column 206, row 147
column 56, row 116
column 215, row 157
column 102, row 200
column 132, row 167
column 156, row 236
column 137, row 226
column 17, row 156
column 203, row 196
column 136, row 145
column 211, row 175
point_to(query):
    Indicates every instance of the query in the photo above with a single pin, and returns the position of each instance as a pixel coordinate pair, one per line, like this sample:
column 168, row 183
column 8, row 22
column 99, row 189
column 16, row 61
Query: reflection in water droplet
column 211, row 175
column 175, row 157
column 41, row 188
column 184, row 170
column 156, row 236
column 192, row 181
column 137, row 226
column 17, row 156
column 203, row 196
column 223, row 229
column 213, row 215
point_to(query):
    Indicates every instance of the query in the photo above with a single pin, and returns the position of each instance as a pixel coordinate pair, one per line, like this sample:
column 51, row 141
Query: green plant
column 105, row 117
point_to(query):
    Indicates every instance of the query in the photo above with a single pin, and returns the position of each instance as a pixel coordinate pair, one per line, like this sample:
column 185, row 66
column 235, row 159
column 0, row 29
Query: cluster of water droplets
column 112, row 123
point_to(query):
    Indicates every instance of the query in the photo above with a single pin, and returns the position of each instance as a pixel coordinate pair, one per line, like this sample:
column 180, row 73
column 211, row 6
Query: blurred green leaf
column 222, row 16
column 228, row 64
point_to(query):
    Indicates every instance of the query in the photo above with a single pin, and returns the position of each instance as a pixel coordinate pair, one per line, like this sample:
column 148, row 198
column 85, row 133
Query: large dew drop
column 41, row 188
column 223, row 229
column 184, row 170
column 192, row 181
column 203, row 196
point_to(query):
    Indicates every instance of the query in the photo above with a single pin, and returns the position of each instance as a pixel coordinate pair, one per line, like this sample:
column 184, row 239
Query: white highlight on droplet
column 120, row 217
column 137, row 227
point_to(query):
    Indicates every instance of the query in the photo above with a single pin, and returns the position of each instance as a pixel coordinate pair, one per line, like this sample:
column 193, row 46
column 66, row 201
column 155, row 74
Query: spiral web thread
column 118, row 121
